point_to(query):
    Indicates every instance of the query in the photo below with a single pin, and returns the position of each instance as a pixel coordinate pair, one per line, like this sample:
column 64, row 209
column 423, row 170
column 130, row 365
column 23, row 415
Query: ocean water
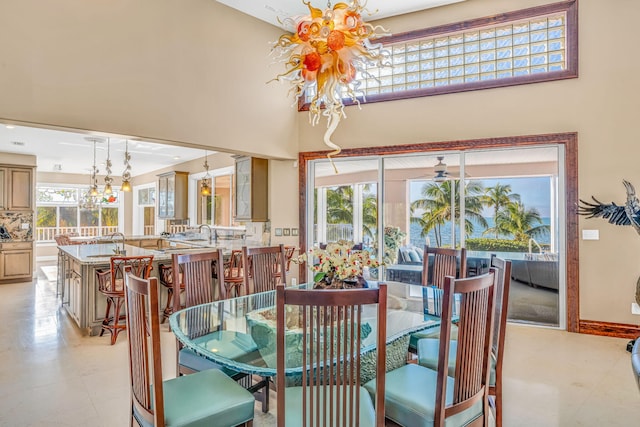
column 417, row 240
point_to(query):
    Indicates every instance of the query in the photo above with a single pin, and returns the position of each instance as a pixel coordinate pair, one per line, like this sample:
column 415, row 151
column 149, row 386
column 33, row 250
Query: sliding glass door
column 494, row 201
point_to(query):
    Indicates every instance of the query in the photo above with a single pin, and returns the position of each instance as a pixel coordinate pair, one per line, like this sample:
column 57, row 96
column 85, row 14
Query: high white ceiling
column 275, row 11
column 74, row 154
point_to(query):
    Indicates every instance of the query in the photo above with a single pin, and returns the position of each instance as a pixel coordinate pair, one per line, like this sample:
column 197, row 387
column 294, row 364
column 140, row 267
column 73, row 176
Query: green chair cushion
column 410, row 394
column 428, row 349
column 293, row 414
column 429, row 333
column 207, row 398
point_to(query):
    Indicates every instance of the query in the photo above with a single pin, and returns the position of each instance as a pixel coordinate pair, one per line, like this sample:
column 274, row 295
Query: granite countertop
column 101, row 253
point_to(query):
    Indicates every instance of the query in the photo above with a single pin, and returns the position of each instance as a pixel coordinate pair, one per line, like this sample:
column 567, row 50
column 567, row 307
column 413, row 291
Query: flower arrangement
column 337, row 262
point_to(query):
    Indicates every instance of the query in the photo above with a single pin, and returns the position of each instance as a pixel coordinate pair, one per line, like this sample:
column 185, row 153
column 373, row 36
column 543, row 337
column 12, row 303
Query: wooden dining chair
column 446, row 262
column 208, row 398
column 330, row 325
column 197, row 279
column 420, row 396
column 111, row 285
column 428, row 348
column 262, row 267
column 438, row 263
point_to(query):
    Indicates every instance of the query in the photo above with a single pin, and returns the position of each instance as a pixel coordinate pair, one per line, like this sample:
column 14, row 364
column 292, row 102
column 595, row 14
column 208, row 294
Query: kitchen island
column 78, row 264
column 80, row 296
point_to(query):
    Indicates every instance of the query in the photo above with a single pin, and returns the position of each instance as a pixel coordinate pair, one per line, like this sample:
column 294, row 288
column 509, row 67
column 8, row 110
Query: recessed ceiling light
column 18, row 143
column 10, row 126
column 176, row 157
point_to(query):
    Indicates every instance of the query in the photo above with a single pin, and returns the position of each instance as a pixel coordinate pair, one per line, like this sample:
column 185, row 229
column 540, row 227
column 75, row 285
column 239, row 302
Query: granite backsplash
column 13, row 221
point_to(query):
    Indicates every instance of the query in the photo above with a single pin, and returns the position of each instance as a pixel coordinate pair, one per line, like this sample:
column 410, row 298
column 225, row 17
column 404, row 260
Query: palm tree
column 521, row 223
column 436, row 204
column 340, row 205
column 370, row 214
column 498, row 197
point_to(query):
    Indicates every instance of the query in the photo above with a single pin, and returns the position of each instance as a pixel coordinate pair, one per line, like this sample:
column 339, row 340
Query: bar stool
column 166, row 280
column 111, row 285
column 233, row 274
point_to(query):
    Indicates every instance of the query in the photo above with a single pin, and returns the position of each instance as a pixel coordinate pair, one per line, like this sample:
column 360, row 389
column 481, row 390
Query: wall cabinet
column 252, row 181
column 16, row 261
column 172, row 195
column 16, row 188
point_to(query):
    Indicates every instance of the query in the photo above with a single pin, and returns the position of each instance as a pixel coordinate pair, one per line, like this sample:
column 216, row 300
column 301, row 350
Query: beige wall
column 178, row 71
column 601, row 105
column 192, row 72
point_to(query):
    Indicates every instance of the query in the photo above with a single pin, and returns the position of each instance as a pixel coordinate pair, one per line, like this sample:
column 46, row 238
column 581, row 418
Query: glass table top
column 240, row 333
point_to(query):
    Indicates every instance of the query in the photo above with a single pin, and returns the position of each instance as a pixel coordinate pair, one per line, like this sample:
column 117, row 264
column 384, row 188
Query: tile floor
column 53, row 376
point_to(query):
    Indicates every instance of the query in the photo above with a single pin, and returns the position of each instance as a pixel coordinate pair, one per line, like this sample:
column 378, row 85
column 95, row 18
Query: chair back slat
column 330, row 325
column 145, row 366
column 475, row 329
column 202, row 277
column 446, row 262
column 263, row 267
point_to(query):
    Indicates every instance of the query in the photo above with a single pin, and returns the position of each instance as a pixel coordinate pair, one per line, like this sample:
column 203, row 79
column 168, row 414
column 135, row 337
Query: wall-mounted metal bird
column 629, row 214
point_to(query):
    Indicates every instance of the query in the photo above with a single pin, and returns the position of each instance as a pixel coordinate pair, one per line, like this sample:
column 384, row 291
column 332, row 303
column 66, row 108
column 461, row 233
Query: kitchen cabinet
column 16, row 261
column 172, row 195
column 16, row 188
column 252, row 180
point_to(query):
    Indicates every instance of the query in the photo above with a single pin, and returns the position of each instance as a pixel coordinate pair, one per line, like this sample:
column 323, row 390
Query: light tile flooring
column 50, row 375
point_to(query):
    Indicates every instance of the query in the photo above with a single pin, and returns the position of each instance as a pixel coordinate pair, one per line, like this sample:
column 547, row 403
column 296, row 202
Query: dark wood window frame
column 568, row 140
column 571, row 9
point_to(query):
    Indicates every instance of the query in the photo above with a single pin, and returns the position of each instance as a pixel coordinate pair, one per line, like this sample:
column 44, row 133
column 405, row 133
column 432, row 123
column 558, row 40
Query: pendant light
column 93, row 189
column 126, row 175
column 107, row 179
column 205, row 189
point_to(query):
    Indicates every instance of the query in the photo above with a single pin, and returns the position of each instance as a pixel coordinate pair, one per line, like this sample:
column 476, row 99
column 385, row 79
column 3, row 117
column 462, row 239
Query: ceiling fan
column 440, row 170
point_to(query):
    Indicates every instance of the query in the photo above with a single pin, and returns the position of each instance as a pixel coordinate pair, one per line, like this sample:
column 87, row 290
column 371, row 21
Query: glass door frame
column 566, row 209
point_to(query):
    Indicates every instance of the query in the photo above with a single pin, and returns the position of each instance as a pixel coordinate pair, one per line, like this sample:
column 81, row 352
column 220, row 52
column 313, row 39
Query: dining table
column 239, row 334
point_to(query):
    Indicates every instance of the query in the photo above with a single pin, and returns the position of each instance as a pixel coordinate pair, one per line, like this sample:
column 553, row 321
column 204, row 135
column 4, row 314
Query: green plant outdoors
column 498, row 245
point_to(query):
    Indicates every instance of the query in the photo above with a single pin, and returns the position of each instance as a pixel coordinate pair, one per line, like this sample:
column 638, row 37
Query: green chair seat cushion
column 429, row 333
column 410, row 395
column 428, row 350
column 207, row 398
column 293, row 408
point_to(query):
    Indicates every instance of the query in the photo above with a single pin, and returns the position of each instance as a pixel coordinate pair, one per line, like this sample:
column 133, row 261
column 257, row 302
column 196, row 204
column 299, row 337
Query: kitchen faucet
column 116, row 250
column 211, row 232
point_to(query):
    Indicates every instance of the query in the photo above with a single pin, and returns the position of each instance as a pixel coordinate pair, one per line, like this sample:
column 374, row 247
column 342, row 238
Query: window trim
column 570, row 142
column 570, row 7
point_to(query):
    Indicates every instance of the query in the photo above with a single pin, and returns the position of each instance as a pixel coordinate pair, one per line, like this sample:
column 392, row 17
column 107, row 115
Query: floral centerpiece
column 338, row 266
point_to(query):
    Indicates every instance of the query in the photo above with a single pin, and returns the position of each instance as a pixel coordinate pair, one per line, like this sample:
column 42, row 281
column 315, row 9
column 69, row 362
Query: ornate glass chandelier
column 326, row 53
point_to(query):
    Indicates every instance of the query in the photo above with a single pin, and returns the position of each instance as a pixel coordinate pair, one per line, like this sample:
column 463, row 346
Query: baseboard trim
column 619, row 330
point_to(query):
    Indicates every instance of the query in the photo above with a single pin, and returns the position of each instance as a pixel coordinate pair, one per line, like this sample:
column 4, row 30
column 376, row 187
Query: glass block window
column 526, row 46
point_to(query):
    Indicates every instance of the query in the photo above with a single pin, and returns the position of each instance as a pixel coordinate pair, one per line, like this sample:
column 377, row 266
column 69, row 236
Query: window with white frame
column 63, row 210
